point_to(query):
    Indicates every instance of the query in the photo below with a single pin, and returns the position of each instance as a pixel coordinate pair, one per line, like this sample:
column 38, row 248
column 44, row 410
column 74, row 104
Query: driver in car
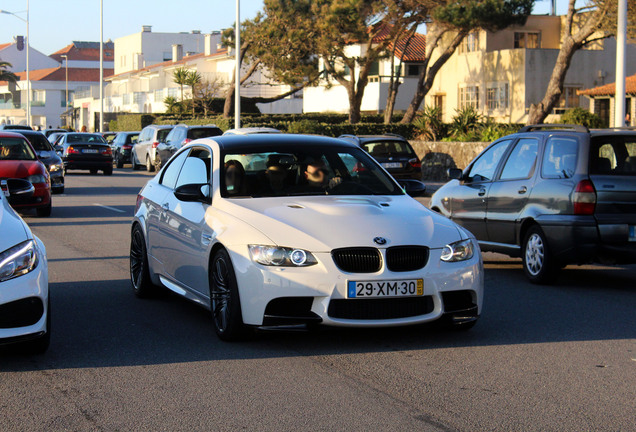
column 317, row 176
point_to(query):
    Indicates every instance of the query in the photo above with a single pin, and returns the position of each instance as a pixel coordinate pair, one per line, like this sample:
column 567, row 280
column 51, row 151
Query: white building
column 9, row 53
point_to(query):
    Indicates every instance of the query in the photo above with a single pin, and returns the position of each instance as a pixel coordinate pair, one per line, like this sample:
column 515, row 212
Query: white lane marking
column 109, row 208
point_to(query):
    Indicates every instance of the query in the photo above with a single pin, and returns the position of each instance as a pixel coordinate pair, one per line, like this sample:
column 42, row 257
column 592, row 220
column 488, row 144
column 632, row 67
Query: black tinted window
column 39, row 142
column 388, row 148
column 615, row 155
column 204, row 133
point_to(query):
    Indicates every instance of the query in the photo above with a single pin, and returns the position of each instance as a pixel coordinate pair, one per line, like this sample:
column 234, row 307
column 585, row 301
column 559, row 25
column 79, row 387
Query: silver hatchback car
column 551, row 194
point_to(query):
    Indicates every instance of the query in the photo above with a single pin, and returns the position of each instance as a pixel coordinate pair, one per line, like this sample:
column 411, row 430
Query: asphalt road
column 549, row 358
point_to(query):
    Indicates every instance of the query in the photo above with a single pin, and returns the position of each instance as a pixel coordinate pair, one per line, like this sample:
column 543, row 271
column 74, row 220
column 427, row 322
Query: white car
column 318, row 234
column 24, row 277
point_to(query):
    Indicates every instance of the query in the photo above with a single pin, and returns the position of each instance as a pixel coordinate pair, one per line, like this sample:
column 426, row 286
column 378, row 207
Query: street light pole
column 66, row 93
column 621, row 36
column 237, row 84
column 101, row 65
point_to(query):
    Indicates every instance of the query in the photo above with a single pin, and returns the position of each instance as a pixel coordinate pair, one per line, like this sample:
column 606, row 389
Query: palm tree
column 194, row 78
column 180, row 76
column 6, row 74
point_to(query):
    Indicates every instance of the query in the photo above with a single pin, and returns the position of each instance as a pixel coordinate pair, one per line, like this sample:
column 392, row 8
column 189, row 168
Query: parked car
column 18, row 160
column 109, row 136
column 394, row 153
column 25, row 319
column 144, row 153
column 122, row 147
column 551, row 194
column 14, row 127
column 252, row 246
column 250, row 131
column 181, row 135
column 86, row 151
column 47, row 155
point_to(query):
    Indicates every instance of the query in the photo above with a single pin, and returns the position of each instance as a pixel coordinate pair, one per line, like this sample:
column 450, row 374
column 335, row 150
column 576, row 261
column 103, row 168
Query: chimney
column 146, row 28
column 210, row 44
column 177, row 52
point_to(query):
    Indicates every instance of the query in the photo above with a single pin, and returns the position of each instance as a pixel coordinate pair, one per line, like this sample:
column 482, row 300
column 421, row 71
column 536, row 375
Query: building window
column 569, row 99
column 159, row 95
column 126, row 99
column 497, row 96
column 173, row 92
column 374, row 69
column 137, row 97
column 38, row 98
column 531, row 40
column 470, row 43
column 469, row 97
column 412, row 70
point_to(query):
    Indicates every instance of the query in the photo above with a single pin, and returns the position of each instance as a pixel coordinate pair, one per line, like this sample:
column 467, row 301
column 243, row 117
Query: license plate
column 392, row 165
column 393, row 288
column 90, row 151
column 632, row 233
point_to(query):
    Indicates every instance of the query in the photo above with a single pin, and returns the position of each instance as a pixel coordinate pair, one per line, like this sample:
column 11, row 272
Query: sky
column 54, row 24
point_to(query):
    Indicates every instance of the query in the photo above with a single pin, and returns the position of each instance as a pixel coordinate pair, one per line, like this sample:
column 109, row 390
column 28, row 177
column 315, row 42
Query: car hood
column 20, row 168
column 49, row 157
column 323, row 223
column 12, row 227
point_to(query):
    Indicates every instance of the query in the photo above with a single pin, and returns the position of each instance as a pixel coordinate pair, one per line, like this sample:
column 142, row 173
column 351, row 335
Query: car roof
column 363, row 139
column 251, row 130
column 238, row 142
column 7, row 134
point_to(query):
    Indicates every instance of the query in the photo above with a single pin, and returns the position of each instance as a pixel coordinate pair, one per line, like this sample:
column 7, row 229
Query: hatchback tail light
column 185, row 141
column 126, row 147
column 415, row 163
column 155, row 144
column 584, row 198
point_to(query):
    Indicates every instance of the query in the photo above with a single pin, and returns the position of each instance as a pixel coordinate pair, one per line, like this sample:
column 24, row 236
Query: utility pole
column 621, row 37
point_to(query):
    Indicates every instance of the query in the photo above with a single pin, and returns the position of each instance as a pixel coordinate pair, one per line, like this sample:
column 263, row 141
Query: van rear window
column 613, row 155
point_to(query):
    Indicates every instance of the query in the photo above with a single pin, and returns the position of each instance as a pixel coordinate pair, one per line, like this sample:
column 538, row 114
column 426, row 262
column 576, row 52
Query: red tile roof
column 84, row 51
column 3, row 46
column 415, row 51
column 59, row 74
column 610, row 89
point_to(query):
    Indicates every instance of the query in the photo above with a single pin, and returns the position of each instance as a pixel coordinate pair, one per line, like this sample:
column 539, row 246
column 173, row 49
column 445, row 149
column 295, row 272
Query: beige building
column 502, row 74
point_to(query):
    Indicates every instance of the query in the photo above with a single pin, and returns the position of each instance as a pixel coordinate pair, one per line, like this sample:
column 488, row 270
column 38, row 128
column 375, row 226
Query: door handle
column 522, row 190
column 165, row 206
column 482, row 192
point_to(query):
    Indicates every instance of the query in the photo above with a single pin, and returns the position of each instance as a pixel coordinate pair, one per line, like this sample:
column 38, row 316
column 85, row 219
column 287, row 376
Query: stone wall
column 438, row 156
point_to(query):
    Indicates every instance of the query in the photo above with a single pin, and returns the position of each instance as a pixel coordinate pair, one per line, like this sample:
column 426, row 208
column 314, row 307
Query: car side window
column 171, row 172
column 559, row 158
column 485, row 166
column 522, row 160
column 196, row 168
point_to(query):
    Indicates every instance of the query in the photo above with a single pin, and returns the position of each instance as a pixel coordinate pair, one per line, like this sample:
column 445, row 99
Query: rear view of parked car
column 122, row 147
column 24, row 282
column 144, row 153
column 551, row 194
column 181, row 135
column 394, row 153
column 86, row 151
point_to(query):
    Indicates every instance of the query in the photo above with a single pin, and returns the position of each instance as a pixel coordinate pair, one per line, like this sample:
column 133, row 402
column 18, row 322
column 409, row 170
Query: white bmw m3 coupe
column 278, row 230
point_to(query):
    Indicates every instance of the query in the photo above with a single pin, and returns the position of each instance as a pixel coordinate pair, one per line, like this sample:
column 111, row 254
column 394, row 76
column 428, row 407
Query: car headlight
column 37, row 178
column 281, row 256
column 458, row 251
column 54, row 167
column 18, row 260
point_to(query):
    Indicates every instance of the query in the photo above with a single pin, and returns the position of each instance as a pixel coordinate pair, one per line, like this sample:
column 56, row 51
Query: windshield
column 388, row 148
column 290, row 171
column 15, row 149
column 39, row 142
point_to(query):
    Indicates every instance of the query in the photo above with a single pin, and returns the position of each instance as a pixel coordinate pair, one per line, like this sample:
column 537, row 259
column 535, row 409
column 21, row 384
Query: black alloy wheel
column 225, row 302
column 139, row 271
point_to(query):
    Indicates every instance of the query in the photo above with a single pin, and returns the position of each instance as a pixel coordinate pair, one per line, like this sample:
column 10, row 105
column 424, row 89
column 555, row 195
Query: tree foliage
column 6, row 74
column 593, row 22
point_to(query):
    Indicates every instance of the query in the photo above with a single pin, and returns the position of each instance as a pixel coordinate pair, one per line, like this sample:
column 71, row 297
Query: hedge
column 131, row 122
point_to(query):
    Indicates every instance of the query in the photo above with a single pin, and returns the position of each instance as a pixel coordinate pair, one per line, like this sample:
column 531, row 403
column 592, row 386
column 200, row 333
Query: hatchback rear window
column 204, row 132
column 388, row 148
column 613, row 155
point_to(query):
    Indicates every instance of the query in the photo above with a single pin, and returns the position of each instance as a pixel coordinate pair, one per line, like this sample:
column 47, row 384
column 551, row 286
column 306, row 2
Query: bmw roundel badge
column 380, row 240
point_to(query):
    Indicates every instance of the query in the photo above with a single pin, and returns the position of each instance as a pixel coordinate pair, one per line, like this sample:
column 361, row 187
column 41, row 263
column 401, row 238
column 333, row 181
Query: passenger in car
column 234, row 178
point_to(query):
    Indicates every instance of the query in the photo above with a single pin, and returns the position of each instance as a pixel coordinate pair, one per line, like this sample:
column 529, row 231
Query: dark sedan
column 122, row 146
column 48, row 157
column 86, row 151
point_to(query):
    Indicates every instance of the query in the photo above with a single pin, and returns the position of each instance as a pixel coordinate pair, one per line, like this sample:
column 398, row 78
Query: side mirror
column 455, row 174
column 17, row 190
column 195, row 192
column 413, row 188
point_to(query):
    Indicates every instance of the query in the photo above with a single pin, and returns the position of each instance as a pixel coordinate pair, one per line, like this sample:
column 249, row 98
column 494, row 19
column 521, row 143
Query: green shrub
column 131, row 122
column 580, row 116
column 428, row 124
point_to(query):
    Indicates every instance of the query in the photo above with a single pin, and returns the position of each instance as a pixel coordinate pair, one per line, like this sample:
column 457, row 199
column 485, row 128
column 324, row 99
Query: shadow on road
column 102, row 324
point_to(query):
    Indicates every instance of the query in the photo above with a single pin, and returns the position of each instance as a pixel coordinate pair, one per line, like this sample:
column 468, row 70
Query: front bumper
column 41, row 198
column 24, row 303
column 318, row 294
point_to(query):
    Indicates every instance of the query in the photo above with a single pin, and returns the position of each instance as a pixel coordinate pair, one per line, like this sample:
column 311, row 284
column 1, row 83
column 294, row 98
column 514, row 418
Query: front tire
column 118, row 162
column 139, row 270
column 44, row 211
column 538, row 264
column 149, row 166
column 225, row 301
